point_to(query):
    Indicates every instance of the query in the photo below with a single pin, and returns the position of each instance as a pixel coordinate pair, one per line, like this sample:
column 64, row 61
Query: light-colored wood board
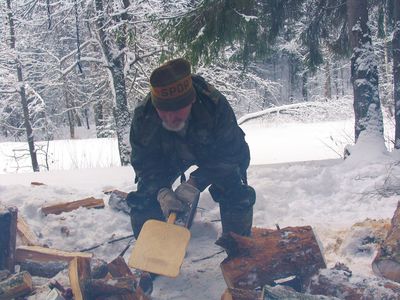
column 59, row 208
column 39, row 253
column 25, row 233
column 160, row 248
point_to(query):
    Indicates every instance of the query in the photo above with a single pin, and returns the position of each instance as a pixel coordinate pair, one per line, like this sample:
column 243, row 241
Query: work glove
column 169, row 202
column 187, row 193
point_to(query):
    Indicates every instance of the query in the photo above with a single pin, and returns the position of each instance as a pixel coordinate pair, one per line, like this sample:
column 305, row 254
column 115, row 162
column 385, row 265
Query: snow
column 296, row 171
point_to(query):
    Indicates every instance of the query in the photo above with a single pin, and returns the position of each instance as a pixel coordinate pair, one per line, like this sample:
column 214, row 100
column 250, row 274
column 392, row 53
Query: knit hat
column 171, row 85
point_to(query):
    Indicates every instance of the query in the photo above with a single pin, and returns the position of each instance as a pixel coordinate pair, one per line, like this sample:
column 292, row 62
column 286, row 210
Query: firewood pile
column 89, row 278
column 277, row 263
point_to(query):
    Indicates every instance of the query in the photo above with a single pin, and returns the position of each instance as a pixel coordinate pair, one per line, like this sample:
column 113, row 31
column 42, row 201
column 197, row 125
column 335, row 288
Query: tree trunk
column 117, row 81
column 328, row 86
column 364, row 72
column 396, row 71
column 304, row 88
column 22, row 93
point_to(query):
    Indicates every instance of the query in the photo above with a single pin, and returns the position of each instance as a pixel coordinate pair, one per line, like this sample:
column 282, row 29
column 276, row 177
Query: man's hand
column 187, row 193
column 169, row 202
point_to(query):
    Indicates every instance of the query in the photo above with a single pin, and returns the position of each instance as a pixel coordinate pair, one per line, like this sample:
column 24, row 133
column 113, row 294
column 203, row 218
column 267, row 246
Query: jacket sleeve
column 228, row 163
column 146, row 157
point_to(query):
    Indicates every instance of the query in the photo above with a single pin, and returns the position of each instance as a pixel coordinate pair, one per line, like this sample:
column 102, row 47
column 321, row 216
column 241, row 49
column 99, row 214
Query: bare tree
column 396, row 70
column 21, row 90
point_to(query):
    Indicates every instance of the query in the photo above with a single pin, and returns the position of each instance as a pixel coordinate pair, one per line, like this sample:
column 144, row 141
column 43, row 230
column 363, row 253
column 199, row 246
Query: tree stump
column 270, row 255
column 8, row 236
column 387, row 262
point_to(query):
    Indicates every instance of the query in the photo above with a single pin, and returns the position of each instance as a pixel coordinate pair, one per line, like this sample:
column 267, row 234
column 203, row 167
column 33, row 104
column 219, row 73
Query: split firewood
column 17, row 285
column 8, row 236
column 387, row 262
column 240, row 294
column 79, row 273
column 25, row 233
column 59, row 208
column 38, row 253
column 340, row 282
column 115, row 286
column 270, row 255
column 119, row 268
column 118, row 202
column 4, row 274
column 47, row 269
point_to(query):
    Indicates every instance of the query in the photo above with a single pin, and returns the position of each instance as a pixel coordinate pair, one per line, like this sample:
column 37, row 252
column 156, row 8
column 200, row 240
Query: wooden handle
column 171, row 218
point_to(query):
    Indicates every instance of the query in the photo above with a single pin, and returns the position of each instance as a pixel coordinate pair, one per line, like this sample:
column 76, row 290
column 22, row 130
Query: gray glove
column 169, row 202
column 187, row 193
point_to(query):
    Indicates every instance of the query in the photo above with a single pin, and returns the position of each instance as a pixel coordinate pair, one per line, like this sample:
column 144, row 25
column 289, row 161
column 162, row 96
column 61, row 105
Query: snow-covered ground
column 296, row 171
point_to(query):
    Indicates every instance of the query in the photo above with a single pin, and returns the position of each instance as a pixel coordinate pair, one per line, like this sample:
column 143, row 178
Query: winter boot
column 237, row 221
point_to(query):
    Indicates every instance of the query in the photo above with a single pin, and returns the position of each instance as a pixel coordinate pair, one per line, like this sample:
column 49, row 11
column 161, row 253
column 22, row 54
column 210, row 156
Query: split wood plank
column 59, row 208
column 8, row 235
column 25, row 233
column 17, row 285
column 79, row 273
column 38, row 253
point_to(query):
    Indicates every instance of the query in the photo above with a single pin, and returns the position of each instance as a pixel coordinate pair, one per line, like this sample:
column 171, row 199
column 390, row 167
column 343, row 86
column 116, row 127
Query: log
column 8, row 236
column 38, row 253
column 25, row 233
column 110, row 287
column 17, row 285
column 240, row 294
column 59, row 208
column 387, row 261
column 35, row 183
column 283, row 292
column 270, row 255
column 4, row 274
column 119, row 268
column 47, row 269
column 342, row 284
column 79, row 273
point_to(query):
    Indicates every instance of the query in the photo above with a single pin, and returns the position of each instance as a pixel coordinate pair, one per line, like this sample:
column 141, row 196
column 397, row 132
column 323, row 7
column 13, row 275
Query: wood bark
column 110, row 287
column 17, row 285
column 341, row 284
column 240, row 294
column 47, row 269
column 270, row 255
column 387, row 260
column 38, row 253
column 396, row 70
column 8, row 234
column 364, row 71
column 119, row 268
column 70, row 206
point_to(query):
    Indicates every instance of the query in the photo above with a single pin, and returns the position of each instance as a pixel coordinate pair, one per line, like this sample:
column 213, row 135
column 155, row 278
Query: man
column 184, row 121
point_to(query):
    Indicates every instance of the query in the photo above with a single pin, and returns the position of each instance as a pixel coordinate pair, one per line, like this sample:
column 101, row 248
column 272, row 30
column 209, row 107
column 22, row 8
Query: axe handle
column 171, row 218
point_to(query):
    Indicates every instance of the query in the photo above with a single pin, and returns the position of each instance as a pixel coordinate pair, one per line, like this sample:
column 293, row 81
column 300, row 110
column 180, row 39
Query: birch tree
column 396, row 70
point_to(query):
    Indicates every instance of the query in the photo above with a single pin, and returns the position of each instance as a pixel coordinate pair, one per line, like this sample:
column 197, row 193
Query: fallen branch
column 107, row 242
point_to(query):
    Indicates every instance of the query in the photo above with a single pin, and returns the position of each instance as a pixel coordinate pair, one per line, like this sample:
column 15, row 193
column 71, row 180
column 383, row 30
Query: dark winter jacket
column 213, row 141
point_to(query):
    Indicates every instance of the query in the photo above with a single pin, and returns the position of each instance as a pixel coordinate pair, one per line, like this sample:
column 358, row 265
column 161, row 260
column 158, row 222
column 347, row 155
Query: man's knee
column 240, row 197
column 143, row 208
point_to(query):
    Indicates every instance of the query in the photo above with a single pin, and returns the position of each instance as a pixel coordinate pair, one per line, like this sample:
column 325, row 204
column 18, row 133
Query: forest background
column 86, row 63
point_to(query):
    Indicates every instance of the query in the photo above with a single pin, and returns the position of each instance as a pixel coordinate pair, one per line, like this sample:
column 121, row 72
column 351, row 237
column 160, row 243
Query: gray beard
column 180, row 128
